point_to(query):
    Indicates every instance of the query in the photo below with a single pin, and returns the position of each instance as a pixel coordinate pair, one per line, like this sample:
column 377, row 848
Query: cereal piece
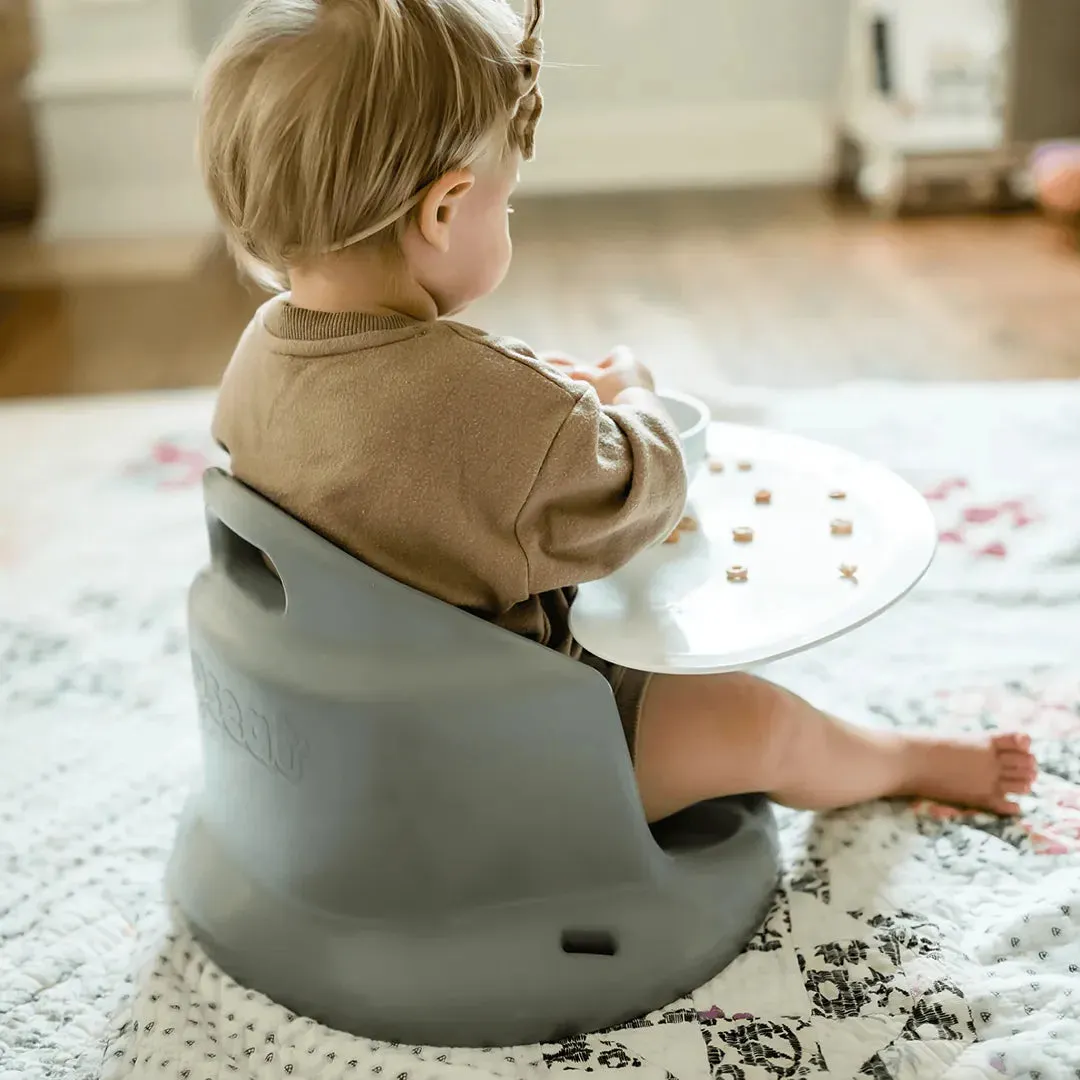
column 841, row 527
column 715, row 465
column 848, row 570
column 763, row 497
column 738, row 573
column 688, row 524
column 673, row 538
column 838, row 495
column 745, row 466
column 742, row 534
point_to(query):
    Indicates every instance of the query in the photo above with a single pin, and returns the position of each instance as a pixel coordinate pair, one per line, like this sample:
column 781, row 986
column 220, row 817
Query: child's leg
column 707, row 736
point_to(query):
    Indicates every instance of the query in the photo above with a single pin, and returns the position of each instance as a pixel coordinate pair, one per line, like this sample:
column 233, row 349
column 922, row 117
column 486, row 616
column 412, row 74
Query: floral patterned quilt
column 906, row 941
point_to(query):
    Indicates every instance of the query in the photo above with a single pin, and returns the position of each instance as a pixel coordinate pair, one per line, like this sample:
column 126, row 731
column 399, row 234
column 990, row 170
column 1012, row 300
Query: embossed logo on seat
column 269, row 739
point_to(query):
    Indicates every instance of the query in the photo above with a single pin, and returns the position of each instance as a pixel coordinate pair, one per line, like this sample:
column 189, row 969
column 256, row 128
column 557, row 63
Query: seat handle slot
column 589, row 943
column 248, row 567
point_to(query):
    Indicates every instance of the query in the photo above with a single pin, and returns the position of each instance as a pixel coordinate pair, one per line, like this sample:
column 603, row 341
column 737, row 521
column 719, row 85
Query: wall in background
column 639, row 94
column 694, row 51
column 207, row 19
column 701, row 91
column 690, row 51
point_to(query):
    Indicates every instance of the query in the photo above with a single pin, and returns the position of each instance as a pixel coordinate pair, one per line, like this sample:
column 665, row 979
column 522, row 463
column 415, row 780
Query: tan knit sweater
column 452, row 461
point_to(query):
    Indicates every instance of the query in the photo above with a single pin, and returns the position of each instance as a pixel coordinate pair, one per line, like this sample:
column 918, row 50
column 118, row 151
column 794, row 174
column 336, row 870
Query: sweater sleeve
column 613, row 482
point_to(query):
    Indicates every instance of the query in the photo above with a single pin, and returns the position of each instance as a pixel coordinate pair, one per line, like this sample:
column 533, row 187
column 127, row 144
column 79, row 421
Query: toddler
column 361, row 155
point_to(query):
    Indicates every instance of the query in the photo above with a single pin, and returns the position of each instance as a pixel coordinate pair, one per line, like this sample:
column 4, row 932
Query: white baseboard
column 721, row 145
column 129, row 211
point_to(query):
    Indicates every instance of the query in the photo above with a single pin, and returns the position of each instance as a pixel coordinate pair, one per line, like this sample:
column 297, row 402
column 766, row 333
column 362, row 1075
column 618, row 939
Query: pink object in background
column 1055, row 171
column 980, row 515
column 171, row 464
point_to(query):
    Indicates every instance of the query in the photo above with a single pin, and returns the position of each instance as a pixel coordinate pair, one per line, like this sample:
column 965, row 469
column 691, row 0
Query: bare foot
column 979, row 772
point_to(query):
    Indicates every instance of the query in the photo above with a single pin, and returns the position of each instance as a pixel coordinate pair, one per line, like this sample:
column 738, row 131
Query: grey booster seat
column 418, row 827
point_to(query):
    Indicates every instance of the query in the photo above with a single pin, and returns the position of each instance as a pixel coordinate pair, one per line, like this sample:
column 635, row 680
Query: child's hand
column 617, row 372
column 566, row 364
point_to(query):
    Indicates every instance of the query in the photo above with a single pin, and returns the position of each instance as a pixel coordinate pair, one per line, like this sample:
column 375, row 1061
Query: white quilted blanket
column 907, row 943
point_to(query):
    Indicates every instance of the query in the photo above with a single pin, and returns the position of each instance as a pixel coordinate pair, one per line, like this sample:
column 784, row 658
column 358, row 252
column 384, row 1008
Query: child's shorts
column 629, row 687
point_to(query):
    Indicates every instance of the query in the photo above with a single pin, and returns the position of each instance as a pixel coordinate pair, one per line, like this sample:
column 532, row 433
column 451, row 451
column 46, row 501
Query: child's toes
column 1012, row 742
column 1017, row 767
column 1015, row 785
column 1004, row 807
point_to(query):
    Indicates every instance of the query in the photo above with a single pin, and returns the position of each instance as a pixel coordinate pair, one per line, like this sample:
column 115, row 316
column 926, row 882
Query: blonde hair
column 323, row 121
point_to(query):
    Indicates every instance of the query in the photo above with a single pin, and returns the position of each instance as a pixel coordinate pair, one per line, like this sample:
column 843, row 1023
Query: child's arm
column 619, row 379
column 613, row 482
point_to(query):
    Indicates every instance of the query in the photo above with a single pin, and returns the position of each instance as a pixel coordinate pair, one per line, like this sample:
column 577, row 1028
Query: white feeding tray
column 672, row 609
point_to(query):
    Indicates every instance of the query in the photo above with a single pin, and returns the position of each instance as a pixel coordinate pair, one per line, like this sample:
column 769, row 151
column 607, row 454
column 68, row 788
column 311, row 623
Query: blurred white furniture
column 955, row 92
column 113, row 98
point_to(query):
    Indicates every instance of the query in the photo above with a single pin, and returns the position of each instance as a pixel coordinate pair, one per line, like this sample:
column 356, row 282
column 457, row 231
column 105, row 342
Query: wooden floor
column 776, row 289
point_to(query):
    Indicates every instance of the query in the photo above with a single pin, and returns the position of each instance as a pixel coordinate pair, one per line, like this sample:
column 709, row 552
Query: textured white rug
column 905, row 942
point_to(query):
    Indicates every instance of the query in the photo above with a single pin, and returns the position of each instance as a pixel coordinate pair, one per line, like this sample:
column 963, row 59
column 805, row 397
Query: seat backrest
column 378, row 751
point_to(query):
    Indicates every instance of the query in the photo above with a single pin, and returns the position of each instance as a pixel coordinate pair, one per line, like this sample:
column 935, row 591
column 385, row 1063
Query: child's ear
column 440, row 206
